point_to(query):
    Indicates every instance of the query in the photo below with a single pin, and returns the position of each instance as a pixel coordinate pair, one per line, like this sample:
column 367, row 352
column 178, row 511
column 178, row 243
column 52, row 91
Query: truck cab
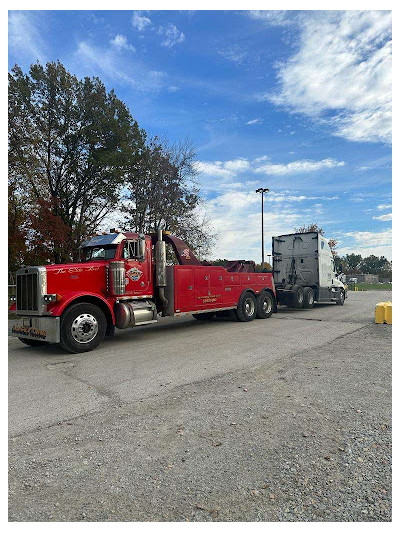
column 304, row 270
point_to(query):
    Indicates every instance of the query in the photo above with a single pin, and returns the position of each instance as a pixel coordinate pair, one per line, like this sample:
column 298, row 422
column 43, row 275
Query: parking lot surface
column 281, row 419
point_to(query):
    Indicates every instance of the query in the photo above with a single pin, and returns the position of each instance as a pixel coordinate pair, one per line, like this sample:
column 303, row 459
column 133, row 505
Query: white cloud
column 381, row 207
column 25, row 36
column 341, row 72
column 218, row 175
column 298, row 167
column 255, row 121
column 234, row 53
column 369, row 242
column 276, row 17
column 236, row 217
column 227, row 169
column 384, row 218
column 140, row 22
column 172, row 36
column 120, row 42
column 173, row 89
column 112, row 66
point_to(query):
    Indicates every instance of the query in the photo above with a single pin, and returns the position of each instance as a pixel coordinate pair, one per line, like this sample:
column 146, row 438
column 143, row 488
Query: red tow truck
column 122, row 280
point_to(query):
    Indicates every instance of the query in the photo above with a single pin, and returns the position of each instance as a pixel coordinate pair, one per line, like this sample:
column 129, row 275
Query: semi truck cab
column 304, row 270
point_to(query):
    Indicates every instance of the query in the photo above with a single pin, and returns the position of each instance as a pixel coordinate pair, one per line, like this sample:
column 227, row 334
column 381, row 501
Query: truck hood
column 76, row 267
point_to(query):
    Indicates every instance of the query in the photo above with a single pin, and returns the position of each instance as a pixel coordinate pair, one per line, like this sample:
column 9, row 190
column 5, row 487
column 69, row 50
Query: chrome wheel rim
column 84, row 328
column 249, row 306
column 266, row 305
column 300, row 297
column 310, row 298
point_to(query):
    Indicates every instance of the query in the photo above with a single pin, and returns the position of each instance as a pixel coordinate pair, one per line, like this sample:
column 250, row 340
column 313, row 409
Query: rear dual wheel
column 308, row 301
column 264, row 305
column 246, row 309
column 297, row 296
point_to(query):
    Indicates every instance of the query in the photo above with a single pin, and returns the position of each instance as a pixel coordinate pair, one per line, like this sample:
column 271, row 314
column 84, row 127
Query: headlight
column 51, row 298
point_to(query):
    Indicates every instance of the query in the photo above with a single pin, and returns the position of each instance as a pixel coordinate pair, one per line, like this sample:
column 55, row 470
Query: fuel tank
column 134, row 313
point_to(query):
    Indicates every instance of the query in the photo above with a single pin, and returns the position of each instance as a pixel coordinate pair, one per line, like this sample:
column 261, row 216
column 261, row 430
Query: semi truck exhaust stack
column 161, row 267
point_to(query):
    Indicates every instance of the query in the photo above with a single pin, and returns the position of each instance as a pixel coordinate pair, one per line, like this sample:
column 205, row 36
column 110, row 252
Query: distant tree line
column 76, row 155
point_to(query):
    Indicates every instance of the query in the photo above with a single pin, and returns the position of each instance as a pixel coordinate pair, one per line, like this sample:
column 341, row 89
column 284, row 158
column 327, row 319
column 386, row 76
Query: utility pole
column 262, row 191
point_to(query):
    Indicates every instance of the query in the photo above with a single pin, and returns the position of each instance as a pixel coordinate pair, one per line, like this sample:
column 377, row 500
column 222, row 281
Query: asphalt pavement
column 281, row 419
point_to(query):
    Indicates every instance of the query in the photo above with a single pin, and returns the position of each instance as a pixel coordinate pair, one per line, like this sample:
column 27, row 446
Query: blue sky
column 299, row 102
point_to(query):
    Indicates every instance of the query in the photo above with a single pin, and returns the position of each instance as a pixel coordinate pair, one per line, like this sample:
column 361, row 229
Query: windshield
column 94, row 253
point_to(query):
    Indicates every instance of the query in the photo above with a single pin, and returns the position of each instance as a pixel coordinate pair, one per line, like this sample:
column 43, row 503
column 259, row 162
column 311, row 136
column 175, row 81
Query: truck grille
column 27, row 291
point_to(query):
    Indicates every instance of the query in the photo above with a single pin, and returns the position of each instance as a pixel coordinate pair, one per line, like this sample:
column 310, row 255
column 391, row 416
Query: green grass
column 371, row 286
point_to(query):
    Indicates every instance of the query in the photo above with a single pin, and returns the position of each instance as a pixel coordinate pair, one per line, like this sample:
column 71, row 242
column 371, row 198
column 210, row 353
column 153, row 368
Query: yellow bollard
column 388, row 314
column 380, row 313
column 383, row 313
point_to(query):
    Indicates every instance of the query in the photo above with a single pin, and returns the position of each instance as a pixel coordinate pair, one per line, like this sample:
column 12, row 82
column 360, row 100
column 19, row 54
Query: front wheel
column 341, row 298
column 246, row 309
column 264, row 305
column 83, row 327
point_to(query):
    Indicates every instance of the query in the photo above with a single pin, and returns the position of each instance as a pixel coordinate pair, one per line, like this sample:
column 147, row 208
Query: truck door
column 137, row 273
column 325, row 270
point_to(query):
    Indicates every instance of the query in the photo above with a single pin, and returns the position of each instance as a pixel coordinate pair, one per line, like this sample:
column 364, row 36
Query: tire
column 264, row 305
column 308, row 302
column 83, row 327
column 297, row 296
column 342, row 297
column 204, row 316
column 246, row 310
column 33, row 342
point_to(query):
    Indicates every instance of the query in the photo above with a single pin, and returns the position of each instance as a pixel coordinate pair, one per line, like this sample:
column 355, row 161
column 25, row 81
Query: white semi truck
column 304, row 270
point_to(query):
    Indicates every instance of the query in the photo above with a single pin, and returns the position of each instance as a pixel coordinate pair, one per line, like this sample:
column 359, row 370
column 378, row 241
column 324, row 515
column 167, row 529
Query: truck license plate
column 27, row 322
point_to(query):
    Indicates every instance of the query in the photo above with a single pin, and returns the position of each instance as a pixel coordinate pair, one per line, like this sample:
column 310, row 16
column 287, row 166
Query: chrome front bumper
column 39, row 328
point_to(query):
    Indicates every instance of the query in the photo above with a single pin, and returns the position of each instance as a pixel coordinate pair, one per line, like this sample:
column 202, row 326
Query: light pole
column 262, row 191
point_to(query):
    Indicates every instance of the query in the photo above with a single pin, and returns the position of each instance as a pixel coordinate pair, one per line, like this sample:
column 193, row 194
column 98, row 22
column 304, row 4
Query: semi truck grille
column 27, row 292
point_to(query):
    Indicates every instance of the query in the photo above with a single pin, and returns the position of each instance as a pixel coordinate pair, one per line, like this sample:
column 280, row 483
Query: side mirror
column 142, row 247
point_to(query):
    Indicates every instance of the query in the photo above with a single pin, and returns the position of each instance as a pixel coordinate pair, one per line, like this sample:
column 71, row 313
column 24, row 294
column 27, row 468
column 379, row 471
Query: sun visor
column 102, row 240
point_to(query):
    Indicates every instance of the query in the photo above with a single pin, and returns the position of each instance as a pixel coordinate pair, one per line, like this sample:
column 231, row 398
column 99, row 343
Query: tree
column 374, row 265
column 311, row 227
column 70, row 146
column 353, row 261
column 162, row 186
column 17, row 231
column 314, row 227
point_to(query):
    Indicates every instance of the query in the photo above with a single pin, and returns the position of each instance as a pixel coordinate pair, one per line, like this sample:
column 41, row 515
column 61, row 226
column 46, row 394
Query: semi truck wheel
column 204, row 316
column 308, row 302
column 83, row 327
column 297, row 296
column 246, row 309
column 33, row 342
column 264, row 305
column 341, row 297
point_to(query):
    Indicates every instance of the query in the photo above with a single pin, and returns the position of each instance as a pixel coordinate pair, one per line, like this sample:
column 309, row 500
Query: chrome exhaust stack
column 161, row 266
